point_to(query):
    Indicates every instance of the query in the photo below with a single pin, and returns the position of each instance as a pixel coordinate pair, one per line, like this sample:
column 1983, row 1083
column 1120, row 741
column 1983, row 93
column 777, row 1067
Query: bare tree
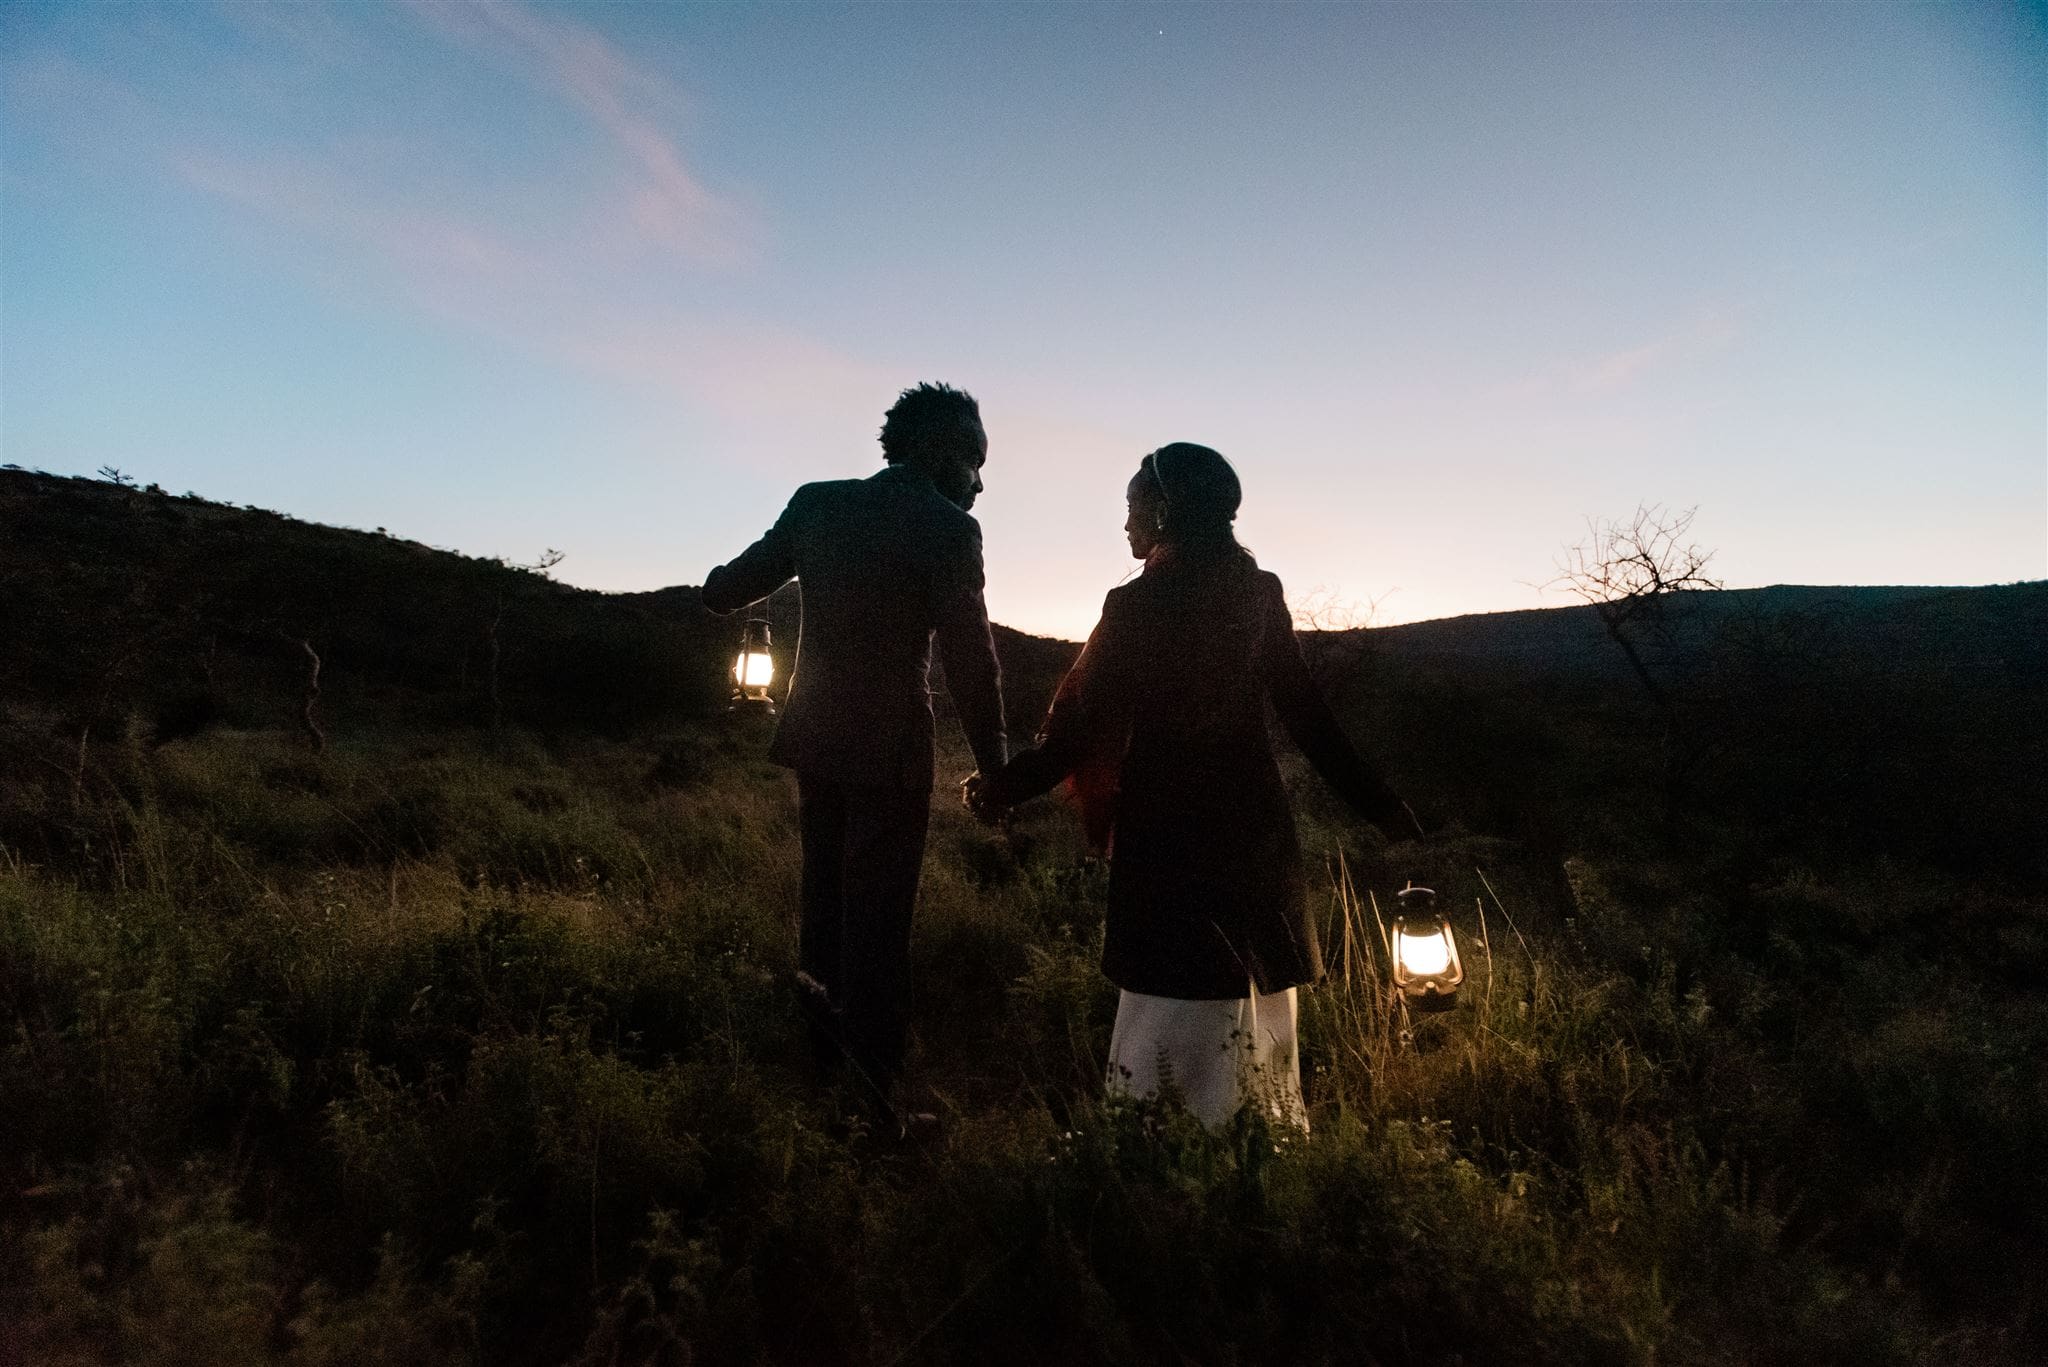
column 1633, row 572
column 1629, row 571
column 544, row 567
column 1333, row 638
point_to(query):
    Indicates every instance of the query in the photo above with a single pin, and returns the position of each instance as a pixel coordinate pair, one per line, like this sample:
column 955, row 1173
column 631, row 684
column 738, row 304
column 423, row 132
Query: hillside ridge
column 134, row 599
column 18, row 483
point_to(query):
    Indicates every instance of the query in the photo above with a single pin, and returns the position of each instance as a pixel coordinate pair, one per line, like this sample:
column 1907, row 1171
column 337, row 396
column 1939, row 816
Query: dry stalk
column 78, row 774
column 491, row 636
column 307, row 717
column 1504, row 914
column 1486, row 947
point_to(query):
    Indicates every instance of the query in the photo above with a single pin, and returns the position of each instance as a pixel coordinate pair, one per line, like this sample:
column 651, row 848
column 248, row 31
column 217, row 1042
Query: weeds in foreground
column 484, row 1052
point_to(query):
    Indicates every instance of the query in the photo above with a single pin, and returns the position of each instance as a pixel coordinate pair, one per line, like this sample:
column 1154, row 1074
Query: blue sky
column 1442, row 280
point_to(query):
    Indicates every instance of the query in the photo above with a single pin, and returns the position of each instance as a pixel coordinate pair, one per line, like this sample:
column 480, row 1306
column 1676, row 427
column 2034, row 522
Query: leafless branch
column 1630, row 571
column 544, row 567
column 1624, row 564
column 307, row 718
column 1333, row 637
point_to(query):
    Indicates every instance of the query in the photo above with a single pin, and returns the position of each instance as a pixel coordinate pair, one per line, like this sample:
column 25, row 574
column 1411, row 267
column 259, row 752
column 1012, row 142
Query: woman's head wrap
column 1200, row 489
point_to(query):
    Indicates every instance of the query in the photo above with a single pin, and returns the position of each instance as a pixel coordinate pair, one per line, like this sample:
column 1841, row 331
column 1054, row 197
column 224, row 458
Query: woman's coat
column 1162, row 724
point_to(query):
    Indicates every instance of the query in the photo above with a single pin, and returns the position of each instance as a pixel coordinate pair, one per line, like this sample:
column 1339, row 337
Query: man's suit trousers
column 863, row 849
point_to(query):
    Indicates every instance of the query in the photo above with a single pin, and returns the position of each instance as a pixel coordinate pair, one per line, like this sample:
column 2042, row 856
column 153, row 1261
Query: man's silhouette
column 884, row 563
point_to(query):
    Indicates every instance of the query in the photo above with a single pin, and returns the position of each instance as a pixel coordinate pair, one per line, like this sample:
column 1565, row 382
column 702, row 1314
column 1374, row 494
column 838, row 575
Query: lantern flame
column 1426, row 967
column 1425, row 956
column 754, row 669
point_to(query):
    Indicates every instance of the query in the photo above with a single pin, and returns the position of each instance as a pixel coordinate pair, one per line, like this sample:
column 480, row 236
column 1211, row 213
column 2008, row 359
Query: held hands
column 972, row 790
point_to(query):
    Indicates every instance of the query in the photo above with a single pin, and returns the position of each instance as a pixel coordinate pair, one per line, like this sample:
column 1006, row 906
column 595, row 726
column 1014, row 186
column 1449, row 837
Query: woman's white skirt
column 1219, row 1054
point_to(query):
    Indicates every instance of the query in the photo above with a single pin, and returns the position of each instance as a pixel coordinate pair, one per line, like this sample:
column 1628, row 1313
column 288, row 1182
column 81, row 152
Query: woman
column 1161, row 726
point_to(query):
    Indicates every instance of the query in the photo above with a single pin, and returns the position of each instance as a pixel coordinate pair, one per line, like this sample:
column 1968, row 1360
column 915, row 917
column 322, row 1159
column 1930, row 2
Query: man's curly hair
column 924, row 412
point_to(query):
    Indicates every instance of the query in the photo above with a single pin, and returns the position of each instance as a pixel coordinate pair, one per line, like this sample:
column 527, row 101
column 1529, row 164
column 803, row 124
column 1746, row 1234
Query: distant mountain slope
column 2000, row 631
column 116, row 600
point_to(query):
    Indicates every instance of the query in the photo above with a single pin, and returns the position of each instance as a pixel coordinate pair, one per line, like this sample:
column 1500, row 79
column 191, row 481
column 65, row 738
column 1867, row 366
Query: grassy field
column 470, row 1037
column 449, row 1047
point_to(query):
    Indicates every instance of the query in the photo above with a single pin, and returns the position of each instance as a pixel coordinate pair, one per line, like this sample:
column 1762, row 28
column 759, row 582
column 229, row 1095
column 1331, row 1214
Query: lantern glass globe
column 1425, row 955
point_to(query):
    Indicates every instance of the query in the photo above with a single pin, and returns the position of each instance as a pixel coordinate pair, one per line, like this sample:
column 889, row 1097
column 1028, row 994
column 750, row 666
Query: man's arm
column 968, row 650
column 758, row 570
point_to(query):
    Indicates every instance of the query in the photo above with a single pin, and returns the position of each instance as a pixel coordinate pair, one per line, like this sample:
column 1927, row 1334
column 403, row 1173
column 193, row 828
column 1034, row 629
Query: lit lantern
column 753, row 671
column 1426, row 966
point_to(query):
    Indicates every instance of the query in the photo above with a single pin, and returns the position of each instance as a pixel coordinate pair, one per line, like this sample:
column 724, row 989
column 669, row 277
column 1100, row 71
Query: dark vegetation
column 467, row 1035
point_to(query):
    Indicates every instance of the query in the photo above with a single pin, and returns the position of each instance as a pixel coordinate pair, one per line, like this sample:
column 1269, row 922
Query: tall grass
column 484, row 1050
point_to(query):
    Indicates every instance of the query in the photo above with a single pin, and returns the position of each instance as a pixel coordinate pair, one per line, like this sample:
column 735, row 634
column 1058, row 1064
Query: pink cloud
column 352, row 210
column 318, row 199
column 666, row 202
column 550, row 301
column 745, row 373
column 1610, row 372
column 1707, row 333
column 91, row 114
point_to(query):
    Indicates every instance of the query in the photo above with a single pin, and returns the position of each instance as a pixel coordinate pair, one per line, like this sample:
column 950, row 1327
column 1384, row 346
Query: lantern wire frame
column 1372, row 1016
column 1367, row 1056
column 1427, row 968
column 753, row 670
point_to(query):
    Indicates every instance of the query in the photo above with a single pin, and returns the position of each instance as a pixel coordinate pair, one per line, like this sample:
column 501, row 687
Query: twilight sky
column 1442, row 280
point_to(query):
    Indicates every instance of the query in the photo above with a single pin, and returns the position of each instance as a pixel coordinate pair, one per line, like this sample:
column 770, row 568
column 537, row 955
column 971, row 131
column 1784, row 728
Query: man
column 884, row 563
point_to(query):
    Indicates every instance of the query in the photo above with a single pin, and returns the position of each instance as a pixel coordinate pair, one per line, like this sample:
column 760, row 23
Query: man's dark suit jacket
column 885, row 563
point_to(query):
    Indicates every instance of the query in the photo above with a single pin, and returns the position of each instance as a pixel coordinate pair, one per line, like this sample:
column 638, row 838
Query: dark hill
column 1990, row 633
column 120, row 600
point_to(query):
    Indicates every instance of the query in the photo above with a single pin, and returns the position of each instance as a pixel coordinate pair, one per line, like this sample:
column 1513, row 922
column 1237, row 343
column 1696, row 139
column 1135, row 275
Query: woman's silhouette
column 1161, row 727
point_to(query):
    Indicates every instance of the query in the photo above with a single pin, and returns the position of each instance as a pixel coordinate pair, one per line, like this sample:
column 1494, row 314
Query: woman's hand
column 987, row 813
